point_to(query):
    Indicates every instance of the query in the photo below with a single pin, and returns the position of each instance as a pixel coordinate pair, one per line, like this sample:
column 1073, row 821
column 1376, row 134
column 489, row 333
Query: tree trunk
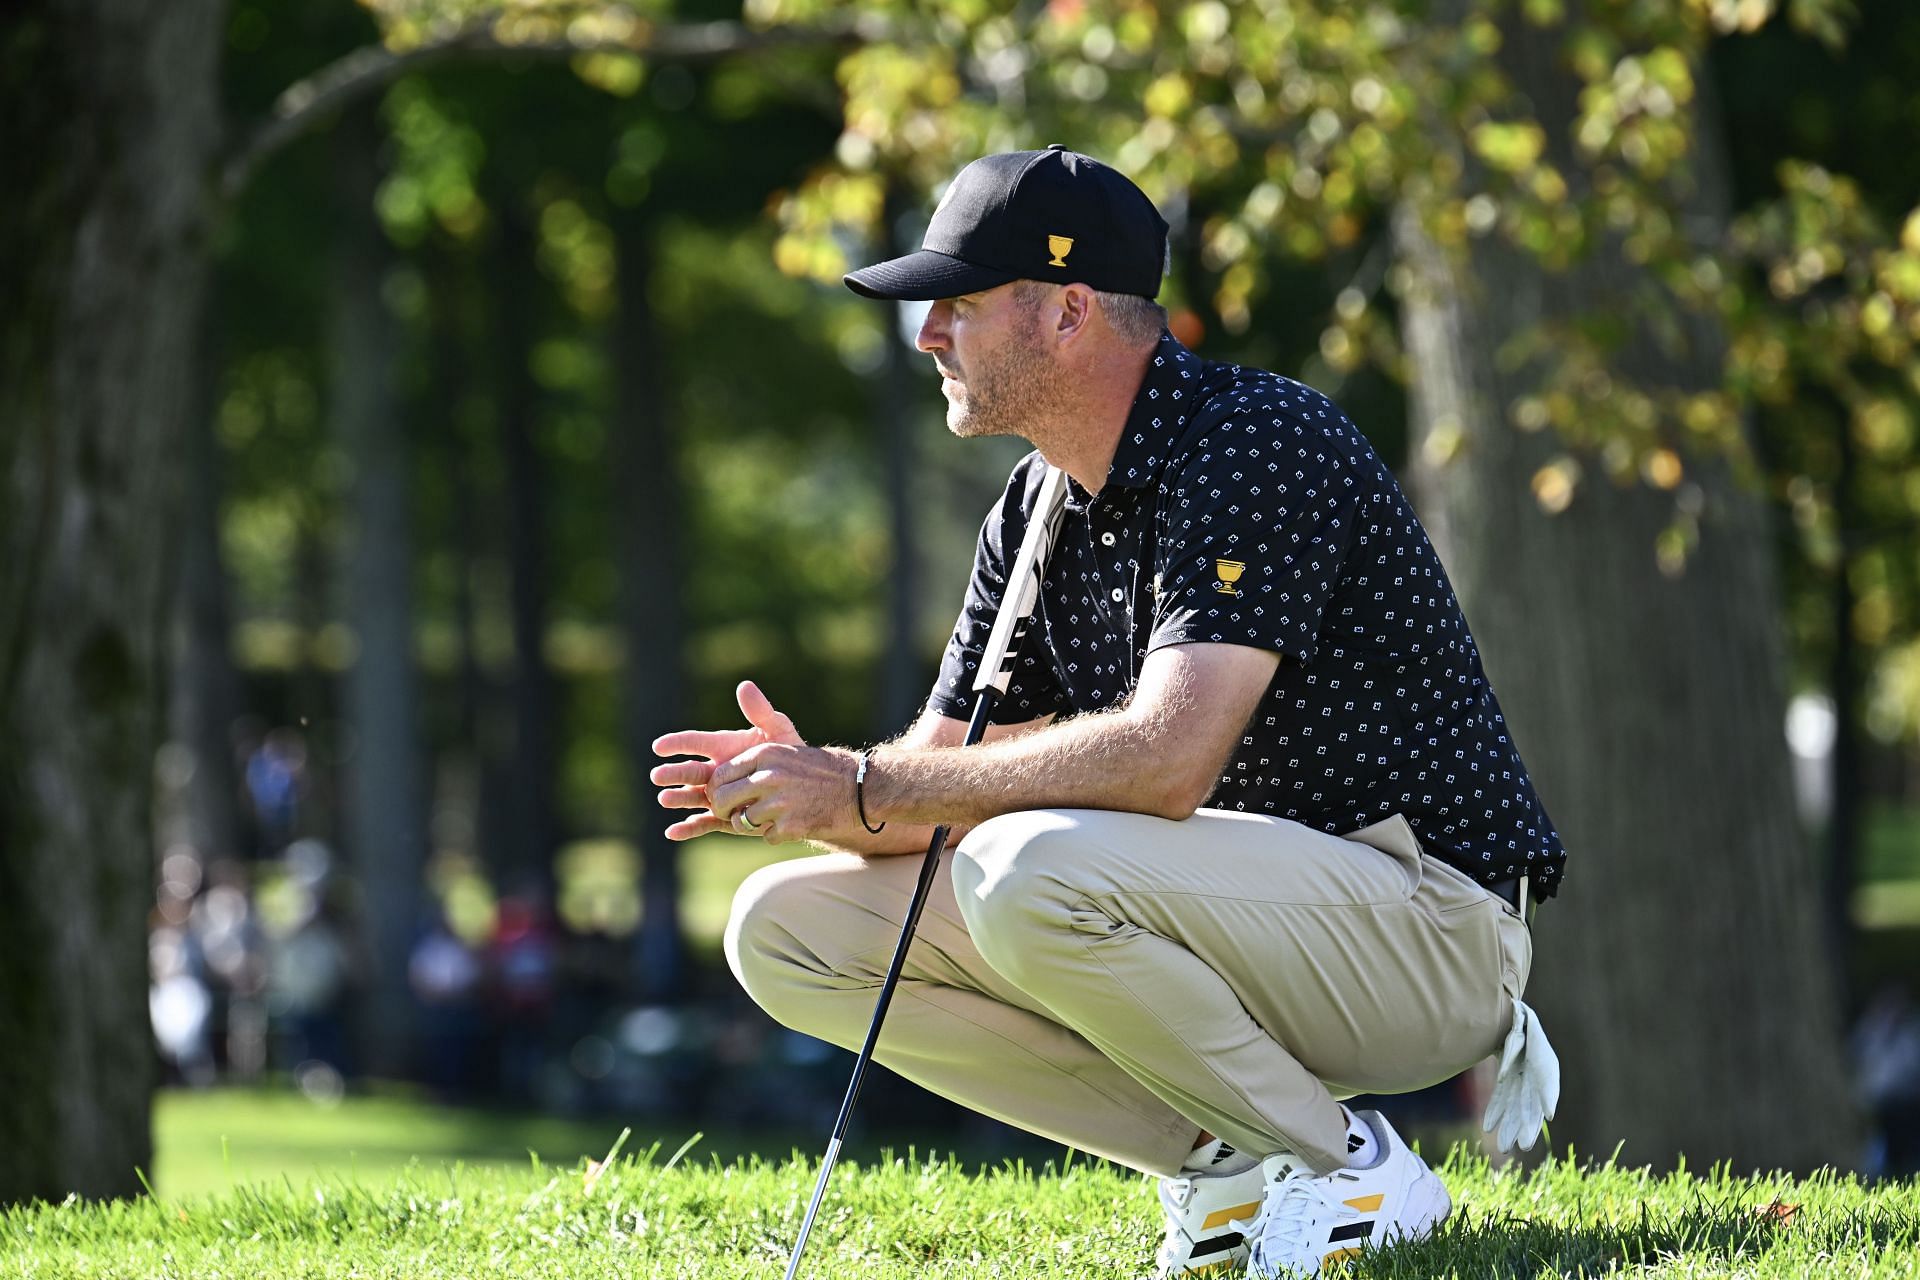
column 107, row 124
column 651, row 520
column 453, row 371
column 536, row 826
column 905, row 677
column 385, row 779
column 1681, row 975
column 204, row 689
column 1846, row 787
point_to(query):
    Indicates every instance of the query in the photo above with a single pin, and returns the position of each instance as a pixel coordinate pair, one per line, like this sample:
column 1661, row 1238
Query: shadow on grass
column 1509, row 1248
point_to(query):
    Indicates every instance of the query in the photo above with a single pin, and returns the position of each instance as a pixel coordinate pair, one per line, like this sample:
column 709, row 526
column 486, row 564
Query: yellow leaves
column 1910, row 233
column 1548, row 186
column 577, row 251
column 1873, row 614
column 1511, row 147
column 815, row 219
column 1899, row 275
column 1530, row 413
column 1882, row 426
column 1666, row 71
column 796, row 256
column 1877, row 315
column 1137, row 29
column 1740, row 15
column 1339, row 350
column 1662, row 468
column 1445, row 441
column 1206, row 21
column 1708, row 414
column 619, row 74
column 1168, row 96
column 1233, row 299
column 1672, row 546
column 1337, row 189
column 1554, row 484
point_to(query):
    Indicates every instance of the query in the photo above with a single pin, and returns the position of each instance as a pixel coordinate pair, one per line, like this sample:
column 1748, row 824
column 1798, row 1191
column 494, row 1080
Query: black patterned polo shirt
column 1242, row 507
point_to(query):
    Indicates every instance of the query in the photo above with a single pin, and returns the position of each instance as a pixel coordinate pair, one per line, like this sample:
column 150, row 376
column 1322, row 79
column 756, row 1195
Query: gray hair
column 1137, row 320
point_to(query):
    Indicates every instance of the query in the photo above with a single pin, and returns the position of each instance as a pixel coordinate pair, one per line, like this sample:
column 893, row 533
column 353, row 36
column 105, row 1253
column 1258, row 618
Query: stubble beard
column 1005, row 393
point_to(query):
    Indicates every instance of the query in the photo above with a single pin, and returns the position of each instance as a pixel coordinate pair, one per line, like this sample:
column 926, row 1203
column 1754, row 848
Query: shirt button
column 1118, row 595
column 1106, row 539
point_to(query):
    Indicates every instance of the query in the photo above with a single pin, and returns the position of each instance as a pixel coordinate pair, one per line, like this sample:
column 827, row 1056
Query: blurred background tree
column 526, row 415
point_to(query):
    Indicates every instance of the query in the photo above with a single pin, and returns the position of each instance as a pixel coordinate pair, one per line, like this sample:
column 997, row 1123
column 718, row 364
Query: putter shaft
column 1017, row 609
column 929, row 868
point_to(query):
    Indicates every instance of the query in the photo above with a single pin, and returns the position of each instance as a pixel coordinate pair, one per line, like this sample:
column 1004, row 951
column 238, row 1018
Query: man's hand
column 688, row 782
column 789, row 792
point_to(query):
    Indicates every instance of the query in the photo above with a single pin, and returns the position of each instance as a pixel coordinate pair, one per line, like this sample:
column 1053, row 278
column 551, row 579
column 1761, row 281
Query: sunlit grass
column 216, row 1140
column 905, row 1219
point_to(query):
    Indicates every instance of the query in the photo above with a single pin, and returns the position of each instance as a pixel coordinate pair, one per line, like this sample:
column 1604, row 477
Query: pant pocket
column 1447, row 889
column 1516, row 953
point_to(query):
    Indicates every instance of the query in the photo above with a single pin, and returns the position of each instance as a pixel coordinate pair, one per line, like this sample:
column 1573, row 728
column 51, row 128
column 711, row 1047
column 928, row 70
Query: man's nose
column 933, row 330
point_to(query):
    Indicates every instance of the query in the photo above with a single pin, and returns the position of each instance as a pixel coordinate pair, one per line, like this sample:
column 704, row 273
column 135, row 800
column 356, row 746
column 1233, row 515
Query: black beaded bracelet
column 860, row 796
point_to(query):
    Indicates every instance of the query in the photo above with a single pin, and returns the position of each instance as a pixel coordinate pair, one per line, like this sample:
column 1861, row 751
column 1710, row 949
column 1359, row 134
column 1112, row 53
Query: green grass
column 213, row 1141
column 907, row 1220
column 270, row 1187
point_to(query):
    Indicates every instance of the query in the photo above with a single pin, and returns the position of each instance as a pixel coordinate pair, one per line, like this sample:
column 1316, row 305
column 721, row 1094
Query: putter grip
column 1022, row 595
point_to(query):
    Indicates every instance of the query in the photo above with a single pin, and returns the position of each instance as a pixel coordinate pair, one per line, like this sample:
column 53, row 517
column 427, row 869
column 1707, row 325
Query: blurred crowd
column 258, row 964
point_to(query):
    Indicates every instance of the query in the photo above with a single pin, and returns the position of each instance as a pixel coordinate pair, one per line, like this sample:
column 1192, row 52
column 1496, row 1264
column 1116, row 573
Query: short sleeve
column 1255, row 537
column 1034, row 691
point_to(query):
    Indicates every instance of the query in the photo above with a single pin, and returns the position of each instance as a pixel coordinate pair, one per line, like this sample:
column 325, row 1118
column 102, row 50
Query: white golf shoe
column 1308, row 1221
column 1205, row 1214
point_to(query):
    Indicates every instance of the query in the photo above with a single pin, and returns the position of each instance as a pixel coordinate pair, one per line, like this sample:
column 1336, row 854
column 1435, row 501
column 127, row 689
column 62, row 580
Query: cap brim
column 924, row 276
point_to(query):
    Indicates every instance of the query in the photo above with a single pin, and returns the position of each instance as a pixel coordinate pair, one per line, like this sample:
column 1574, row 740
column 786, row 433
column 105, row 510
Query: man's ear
column 1075, row 315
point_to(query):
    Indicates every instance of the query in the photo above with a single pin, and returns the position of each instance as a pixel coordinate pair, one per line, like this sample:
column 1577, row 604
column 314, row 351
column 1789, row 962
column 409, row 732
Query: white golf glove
column 1528, row 1087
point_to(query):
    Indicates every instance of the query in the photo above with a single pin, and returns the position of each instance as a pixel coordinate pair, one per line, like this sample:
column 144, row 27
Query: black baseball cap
column 1052, row 215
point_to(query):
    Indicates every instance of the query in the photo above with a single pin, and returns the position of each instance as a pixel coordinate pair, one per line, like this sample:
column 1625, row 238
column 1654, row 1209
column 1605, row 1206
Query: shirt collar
column 1167, row 397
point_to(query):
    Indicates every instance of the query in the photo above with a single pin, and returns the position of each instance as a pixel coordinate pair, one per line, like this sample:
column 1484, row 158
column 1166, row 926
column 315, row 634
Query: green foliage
column 1290, row 132
column 899, row 1218
column 1279, row 137
column 1301, row 125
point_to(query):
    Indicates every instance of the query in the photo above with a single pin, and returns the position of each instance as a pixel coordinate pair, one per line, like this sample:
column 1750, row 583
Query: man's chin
column 966, row 422
column 966, row 425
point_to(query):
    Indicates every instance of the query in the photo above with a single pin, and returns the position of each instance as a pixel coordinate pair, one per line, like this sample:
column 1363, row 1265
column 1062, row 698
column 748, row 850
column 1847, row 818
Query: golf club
column 1017, row 606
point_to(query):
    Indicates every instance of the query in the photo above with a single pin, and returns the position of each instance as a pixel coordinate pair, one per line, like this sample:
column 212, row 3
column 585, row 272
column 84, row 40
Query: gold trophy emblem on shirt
column 1229, row 571
column 1059, row 246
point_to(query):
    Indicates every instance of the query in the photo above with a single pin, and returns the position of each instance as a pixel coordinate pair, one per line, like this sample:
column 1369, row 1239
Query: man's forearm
column 1110, row 760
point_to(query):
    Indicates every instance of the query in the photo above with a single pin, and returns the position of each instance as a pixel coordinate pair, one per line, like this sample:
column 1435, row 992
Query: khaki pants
column 1119, row 982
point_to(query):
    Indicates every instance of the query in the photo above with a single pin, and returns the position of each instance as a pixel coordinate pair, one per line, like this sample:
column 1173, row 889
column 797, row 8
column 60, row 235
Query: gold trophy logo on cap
column 1060, row 246
column 1229, row 571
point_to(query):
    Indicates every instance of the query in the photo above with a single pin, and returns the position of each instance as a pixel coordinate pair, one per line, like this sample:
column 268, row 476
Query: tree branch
column 322, row 95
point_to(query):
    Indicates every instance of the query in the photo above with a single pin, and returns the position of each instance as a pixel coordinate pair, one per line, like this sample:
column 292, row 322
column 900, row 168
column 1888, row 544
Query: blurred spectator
column 226, row 936
column 181, row 1006
column 275, row 777
column 523, row 967
column 1886, row 1056
column 310, row 964
column 445, row 975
